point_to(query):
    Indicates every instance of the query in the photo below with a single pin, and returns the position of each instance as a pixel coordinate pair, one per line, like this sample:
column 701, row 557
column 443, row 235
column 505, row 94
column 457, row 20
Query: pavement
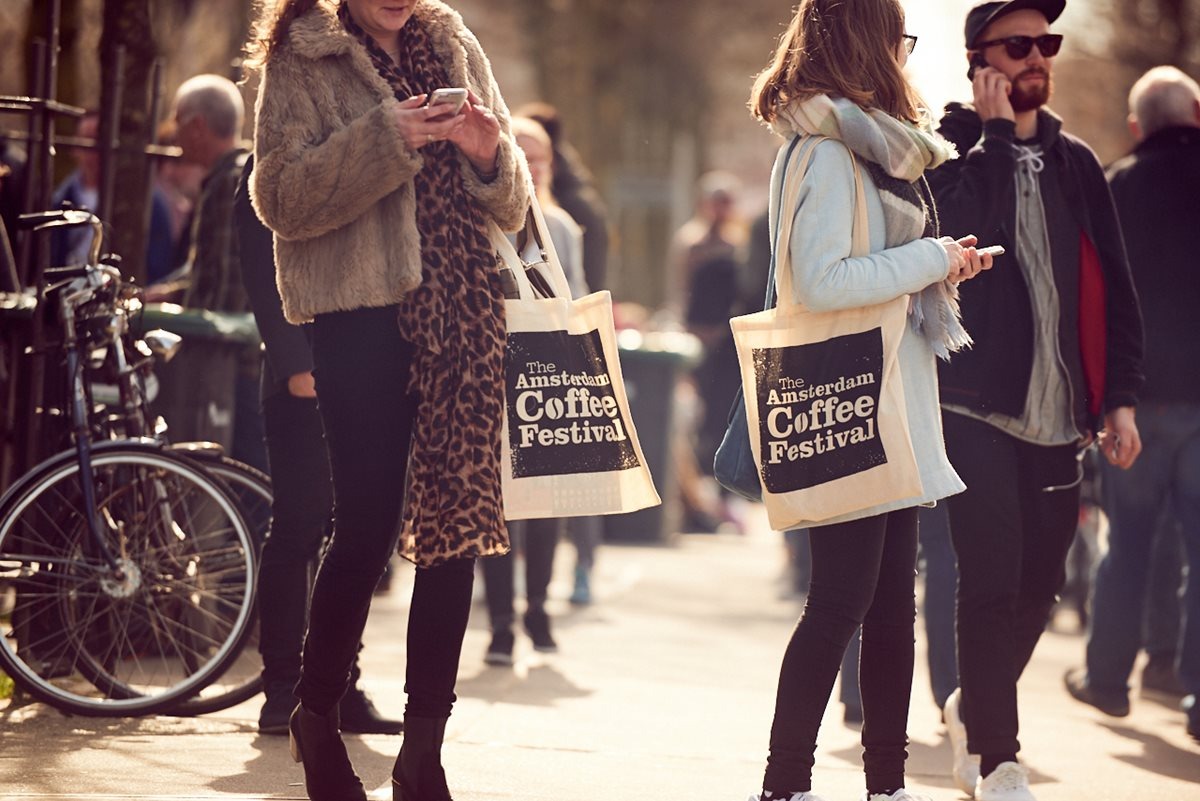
column 663, row 691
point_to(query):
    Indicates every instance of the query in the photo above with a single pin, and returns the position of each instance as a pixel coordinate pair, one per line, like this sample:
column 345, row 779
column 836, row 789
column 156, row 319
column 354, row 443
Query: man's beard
column 1034, row 97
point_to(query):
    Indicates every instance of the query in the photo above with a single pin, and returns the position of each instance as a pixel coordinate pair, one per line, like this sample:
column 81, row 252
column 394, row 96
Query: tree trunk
column 127, row 25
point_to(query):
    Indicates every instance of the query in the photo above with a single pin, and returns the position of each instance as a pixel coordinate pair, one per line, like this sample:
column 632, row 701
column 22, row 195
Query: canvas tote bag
column 824, row 399
column 570, row 447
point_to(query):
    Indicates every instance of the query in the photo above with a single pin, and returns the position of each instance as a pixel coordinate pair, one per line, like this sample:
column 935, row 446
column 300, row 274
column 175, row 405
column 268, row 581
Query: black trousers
column 362, row 369
column 863, row 573
column 538, row 539
column 300, row 519
column 1011, row 531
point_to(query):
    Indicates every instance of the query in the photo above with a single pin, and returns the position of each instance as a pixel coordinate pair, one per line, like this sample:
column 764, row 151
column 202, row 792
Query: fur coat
column 333, row 176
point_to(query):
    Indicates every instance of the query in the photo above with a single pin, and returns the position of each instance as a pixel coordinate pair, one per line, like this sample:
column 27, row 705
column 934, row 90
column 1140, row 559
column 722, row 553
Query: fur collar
column 319, row 34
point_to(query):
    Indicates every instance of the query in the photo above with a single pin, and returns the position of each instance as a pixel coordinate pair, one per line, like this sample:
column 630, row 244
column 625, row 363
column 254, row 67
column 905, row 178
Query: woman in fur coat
column 380, row 205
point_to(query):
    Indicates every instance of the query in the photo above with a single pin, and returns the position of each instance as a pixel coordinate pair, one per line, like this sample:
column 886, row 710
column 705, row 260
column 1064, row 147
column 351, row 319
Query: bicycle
column 133, row 568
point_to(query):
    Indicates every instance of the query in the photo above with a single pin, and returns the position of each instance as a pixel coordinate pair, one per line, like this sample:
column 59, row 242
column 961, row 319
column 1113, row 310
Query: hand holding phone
column 978, row 62
column 449, row 101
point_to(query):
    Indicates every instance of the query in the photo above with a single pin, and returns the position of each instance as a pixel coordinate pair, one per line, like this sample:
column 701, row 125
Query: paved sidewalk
column 663, row 691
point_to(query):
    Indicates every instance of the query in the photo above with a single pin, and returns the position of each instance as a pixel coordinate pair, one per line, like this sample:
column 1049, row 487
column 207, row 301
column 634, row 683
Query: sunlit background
column 653, row 92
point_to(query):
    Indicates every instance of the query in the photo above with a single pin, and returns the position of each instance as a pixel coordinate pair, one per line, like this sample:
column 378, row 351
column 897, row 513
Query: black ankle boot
column 418, row 774
column 317, row 744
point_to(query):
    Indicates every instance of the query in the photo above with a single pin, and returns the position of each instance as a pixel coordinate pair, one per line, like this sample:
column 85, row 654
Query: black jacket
column 1157, row 192
column 1100, row 329
column 288, row 351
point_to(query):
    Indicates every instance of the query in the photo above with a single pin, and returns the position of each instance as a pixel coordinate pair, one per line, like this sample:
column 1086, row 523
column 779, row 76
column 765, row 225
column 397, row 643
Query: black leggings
column 863, row 573
column 362, row 368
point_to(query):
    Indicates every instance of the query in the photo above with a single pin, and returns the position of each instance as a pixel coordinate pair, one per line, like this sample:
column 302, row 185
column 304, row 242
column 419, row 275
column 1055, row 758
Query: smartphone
column 451, row 99
column 978, row 62
column 993, row 251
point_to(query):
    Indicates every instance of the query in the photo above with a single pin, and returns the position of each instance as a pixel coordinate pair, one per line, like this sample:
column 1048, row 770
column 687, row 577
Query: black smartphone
column 978, row 62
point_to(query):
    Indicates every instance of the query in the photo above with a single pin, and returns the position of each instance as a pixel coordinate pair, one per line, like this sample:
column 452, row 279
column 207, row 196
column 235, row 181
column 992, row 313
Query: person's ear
column 1135, row 130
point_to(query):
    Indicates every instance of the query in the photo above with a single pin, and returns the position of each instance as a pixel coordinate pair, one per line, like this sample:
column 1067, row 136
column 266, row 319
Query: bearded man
column 1056, row 366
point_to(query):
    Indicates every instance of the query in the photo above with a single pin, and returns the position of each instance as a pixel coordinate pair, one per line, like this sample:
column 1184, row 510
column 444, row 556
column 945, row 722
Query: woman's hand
column 965, row 261
column 420, row 124
column 478, row 137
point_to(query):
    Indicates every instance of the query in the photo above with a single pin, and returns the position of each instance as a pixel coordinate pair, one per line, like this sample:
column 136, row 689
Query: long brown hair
column 842, row 48
column 272, row 21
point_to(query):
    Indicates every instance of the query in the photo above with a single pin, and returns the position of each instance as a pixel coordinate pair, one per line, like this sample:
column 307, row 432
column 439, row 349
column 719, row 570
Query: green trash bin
column 197, row 387
column 652, row 365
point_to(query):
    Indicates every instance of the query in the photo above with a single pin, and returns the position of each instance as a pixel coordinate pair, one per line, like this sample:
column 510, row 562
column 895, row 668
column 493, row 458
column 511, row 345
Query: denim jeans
column 1164, row 480
column 863, row 574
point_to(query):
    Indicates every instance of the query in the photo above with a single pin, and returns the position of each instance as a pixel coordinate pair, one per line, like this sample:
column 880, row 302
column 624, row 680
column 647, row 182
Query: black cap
column 985, row 14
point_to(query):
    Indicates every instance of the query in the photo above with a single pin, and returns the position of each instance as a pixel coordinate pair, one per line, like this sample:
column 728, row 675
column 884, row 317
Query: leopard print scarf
column 454, row 507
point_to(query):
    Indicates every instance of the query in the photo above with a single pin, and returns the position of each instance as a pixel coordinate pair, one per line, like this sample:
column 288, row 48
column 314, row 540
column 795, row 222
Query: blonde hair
column 272, row 20
column 531, row 128
column 841, row 48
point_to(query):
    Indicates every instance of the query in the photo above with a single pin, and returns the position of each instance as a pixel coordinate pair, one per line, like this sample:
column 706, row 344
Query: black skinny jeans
column 863, row 573
column 1011, row 538
column 362, row 368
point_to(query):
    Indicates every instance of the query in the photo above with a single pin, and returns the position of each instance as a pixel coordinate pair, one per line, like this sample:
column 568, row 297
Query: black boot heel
column 418, row 774
column 316, row 743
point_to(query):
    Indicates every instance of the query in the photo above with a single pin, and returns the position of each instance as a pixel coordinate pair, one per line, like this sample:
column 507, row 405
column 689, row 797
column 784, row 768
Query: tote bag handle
column 789, row 207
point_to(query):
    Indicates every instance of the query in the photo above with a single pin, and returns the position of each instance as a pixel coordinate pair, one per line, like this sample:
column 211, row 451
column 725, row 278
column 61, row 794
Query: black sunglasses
column 1019, row 47
column 910, row 43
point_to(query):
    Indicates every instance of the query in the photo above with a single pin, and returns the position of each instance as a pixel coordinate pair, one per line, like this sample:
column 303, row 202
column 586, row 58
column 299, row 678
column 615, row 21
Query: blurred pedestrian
column 536, row 540
column 575, row 191
column 208, row 115
column 302, row 502
column 704, row 282
column 380, row 206
column 838, row 73
column 81, row 189
column 1155, row 189
column 1056, row 360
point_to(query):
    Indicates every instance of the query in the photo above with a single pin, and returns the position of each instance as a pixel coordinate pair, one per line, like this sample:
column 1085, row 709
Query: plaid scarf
column 896, row 154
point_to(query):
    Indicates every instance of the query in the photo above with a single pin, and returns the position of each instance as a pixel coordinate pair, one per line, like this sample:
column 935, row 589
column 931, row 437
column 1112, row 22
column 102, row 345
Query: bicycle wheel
column 242, row 680
column 92, row 642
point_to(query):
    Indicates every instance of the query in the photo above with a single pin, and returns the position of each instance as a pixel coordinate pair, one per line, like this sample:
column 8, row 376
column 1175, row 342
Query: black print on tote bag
column 818, row 410
column 563, row 416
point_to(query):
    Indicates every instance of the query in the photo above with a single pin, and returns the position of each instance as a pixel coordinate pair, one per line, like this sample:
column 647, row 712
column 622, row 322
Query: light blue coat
column 826, row 278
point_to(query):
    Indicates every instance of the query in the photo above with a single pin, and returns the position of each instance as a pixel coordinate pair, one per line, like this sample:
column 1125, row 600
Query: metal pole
column 33, row 171
column 37, row 363
column 110, row 136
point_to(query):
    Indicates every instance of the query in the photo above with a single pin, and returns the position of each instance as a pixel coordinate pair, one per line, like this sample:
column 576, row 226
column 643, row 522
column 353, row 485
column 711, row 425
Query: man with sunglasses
column 1056, row 365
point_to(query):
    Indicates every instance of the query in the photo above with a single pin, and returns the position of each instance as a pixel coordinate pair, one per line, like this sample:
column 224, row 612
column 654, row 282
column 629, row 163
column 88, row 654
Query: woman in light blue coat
column 838, row 75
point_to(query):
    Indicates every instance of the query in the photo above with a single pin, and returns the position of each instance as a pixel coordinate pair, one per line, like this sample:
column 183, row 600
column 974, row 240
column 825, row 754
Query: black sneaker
column 500, row 651
column 1115, row 704
column 358, row 715
column 537, row 624
column 277, row 708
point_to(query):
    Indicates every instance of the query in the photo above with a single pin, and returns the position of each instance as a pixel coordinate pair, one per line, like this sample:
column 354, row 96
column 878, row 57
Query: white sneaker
column 809, row 796
column 900, row 795
column 966, row 766
column 1008, row 782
